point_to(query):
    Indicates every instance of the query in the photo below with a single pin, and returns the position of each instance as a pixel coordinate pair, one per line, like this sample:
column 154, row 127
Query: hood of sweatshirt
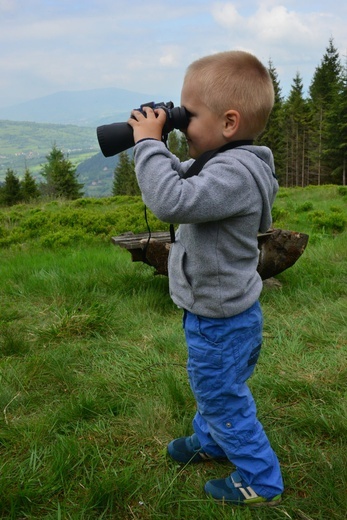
column 263, row 175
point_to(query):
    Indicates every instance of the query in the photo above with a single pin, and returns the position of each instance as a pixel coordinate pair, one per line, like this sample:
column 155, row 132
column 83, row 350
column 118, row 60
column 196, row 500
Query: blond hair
column 235, row 80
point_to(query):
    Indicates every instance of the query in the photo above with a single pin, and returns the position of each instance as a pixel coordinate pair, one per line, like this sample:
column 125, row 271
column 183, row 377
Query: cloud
column 170, row 56
column 270, row 24
column 46, row 46
column 7, row 6
column 294, row 39
column 278, row 24
column 227, row 15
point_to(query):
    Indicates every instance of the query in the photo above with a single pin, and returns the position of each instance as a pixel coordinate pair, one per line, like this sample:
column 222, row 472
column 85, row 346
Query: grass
column 93, row 383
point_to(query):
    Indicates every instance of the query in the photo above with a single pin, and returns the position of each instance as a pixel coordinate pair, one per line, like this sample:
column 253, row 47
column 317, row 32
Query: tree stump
column 279, row 249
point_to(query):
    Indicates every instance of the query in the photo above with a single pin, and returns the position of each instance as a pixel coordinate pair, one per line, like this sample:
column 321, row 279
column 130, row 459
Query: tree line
column 306, row 133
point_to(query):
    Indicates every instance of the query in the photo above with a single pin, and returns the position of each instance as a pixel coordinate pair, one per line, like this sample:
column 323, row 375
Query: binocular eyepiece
column 117, row 137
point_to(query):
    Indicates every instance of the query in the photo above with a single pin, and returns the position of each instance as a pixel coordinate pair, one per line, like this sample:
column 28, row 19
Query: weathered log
column 279, row 250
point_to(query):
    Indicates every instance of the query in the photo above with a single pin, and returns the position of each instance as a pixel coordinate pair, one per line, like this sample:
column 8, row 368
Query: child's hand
column 150, row 126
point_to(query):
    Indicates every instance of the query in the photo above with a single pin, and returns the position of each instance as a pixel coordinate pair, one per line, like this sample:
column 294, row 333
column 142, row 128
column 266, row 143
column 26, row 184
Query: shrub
column 35, row 222
column 278, row 214
column 336, row 209
column 64, row 238
column 306, row 206
column 335, row 221
column 282, row 194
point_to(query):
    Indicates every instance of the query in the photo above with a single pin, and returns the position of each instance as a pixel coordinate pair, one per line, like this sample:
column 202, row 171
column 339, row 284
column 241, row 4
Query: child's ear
column 231, row 123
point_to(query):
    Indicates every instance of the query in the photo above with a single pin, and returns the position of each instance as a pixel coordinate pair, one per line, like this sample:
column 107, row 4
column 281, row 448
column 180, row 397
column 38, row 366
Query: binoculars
column 117, row 137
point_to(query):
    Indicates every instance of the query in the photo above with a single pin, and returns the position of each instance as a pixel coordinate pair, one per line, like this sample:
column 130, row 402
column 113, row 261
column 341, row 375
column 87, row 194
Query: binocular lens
column 115, row 138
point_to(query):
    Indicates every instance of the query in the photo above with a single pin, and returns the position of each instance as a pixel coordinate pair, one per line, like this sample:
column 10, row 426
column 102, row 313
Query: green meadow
column 93, row 382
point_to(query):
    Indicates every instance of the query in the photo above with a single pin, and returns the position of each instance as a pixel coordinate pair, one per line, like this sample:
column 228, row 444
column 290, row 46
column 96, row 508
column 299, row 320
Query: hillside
column 26, row 145
column 96, row 173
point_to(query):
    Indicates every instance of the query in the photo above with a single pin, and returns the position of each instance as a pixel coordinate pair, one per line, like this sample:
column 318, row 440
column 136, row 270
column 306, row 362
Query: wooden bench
column 278, row 249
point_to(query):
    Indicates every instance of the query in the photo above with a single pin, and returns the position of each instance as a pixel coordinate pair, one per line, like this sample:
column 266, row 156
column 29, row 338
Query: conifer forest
column 308, row 134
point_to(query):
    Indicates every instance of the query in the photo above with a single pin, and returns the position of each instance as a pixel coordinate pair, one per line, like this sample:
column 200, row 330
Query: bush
column 64, row 238
column 278, row 214
column 306, row 206
column 282, row 194
column 59, row 222
column 335, row 221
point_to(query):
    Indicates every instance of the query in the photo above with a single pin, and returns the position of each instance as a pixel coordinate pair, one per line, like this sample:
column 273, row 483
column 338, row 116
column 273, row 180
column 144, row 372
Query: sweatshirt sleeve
column 221, row 189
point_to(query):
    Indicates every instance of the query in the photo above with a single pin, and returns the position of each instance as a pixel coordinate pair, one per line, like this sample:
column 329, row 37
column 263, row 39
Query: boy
column 213, row 262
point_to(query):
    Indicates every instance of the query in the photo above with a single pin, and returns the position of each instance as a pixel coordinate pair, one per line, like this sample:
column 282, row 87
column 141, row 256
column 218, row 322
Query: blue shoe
column 187, row 450
column 233, row 491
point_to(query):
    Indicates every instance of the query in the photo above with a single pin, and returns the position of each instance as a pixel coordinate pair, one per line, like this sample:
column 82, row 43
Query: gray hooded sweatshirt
column 213, row 263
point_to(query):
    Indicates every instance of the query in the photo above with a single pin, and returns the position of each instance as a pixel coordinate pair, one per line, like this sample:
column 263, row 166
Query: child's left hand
column 149, row 126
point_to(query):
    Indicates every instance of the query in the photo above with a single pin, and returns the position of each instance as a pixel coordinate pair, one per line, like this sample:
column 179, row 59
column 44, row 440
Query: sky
column 48, row 46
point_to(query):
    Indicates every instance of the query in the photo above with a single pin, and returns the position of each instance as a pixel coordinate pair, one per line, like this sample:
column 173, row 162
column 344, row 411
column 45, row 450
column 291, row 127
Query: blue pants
column 222, row 354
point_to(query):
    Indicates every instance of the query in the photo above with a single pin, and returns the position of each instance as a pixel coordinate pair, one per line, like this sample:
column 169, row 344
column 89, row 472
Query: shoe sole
column 273, row 503
column 248, row 503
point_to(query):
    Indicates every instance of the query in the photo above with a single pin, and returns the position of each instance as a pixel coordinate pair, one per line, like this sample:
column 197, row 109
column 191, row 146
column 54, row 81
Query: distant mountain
column 82, row 108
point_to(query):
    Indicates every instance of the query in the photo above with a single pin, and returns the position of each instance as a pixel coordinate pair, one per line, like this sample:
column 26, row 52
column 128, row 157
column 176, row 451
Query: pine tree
column 297, row 120
column 10, row 193
column 323, row 92
column 274, row 134
column 327, row 76
column 29, row 187
column 336, row 142
column 177, row 144
column 173, row 142
column 183, row 153
column 124, row 181
column 60, row 175
column 133, row 187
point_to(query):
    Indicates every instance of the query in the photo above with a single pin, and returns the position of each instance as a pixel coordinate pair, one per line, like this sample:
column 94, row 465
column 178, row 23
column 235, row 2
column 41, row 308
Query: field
column 26, row 144
column 93, row 380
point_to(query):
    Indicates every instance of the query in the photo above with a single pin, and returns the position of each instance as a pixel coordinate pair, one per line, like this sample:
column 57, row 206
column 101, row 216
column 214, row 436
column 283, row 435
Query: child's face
column 205, row 129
